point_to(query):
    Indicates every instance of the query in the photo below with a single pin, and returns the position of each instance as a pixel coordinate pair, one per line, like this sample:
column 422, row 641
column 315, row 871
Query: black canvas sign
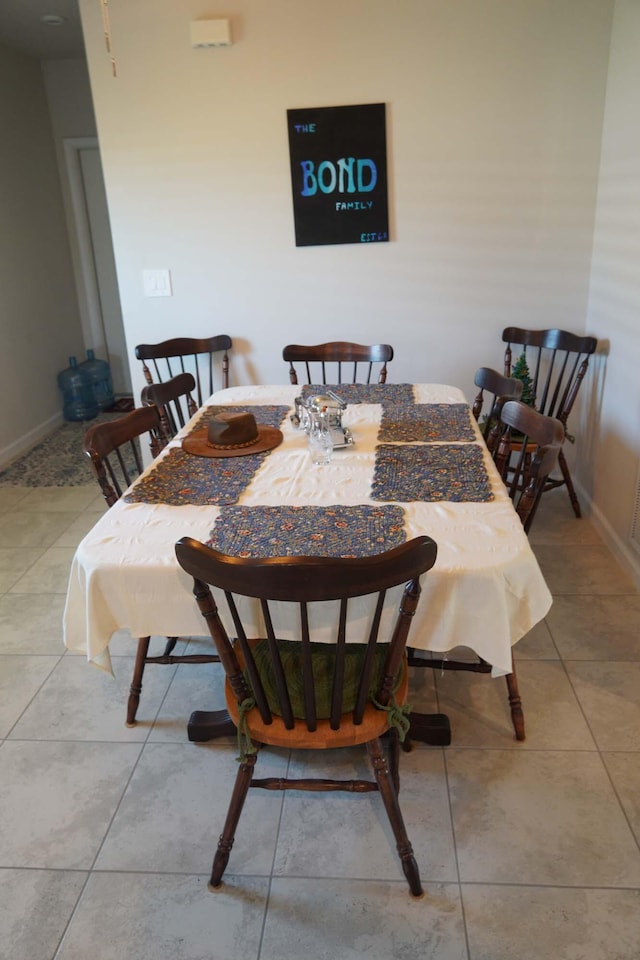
column 339, row 174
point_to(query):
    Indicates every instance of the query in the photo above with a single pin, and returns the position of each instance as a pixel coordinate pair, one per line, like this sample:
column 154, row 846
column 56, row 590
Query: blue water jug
column 79, row 401
column 99, row 373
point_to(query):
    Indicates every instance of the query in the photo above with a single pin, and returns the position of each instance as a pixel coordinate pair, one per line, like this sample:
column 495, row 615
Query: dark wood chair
column 174, row 400
column 527, row 450
column 114, row 451
column 359, row 358
column 188, row 355
column 306, row 695
column 500, row 389
column 557, row 362
column 115, row 457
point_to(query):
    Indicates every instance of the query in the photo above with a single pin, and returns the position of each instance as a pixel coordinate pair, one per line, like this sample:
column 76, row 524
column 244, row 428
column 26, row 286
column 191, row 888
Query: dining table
column 417, row 465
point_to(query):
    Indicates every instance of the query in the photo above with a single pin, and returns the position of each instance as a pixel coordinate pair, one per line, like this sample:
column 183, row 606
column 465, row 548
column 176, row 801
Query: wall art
column 339, row 174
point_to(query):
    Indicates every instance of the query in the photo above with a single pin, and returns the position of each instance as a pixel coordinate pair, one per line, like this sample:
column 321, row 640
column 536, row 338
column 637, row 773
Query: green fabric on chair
column 323, row 660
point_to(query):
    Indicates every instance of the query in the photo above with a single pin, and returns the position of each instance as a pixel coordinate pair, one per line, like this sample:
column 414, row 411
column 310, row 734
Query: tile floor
column 528, row 851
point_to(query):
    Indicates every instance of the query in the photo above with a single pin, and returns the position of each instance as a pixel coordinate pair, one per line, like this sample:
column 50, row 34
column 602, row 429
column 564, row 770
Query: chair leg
column 171, row 642
column 515, row 703
column 136, row 682
column 389, row 796
column 394, row 758
column 238, row 797
column 564, row 466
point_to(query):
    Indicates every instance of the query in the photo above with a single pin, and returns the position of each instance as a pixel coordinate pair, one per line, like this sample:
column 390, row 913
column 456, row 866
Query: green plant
column 521, row 372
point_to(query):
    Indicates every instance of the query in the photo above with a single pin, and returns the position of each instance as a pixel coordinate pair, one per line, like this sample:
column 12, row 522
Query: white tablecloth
column 485, row 591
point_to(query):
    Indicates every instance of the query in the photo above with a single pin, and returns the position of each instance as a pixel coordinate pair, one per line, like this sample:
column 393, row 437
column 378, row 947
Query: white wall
column 38, row 309
column 612, row 460
column 494, row 125
column 494, row 117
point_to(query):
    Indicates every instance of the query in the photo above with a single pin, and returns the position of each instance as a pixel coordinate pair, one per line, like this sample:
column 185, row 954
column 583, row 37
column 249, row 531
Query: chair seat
column 374, row 724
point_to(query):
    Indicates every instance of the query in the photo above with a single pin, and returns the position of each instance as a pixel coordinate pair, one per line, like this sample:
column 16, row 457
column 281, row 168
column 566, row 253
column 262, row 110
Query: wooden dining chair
column 307, row 695
column 500, row 389
column 206, row 358
column 114, row 449
column 114, row 453
column 174, row 400
column 557, row 362
column 358, row 358
column 526, row 452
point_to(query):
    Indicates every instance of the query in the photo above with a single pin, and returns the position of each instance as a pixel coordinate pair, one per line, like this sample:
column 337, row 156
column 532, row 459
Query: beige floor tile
column 57, row 800
column 81, row 702
column 582, row 570
column 547, row 812
column 78, row 529
column 539, row 817
column 31, row 624
column 348, row 835
column 22, row 528
column 166, row 918
column 14, row 562
column 478, row 708
column 536, row 645
column 609, row 693
column 540, row 923
column 624, row 769
column 596, row 628
column 20, row 680
column 174, row 809
column 367, row 918
column 35, row 907
column 556, row 523
column 49, row 574
column 10, row 497
column 195, row 686
column 39, row 499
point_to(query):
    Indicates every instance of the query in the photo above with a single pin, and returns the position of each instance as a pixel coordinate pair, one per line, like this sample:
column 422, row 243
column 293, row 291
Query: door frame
column 91, row 319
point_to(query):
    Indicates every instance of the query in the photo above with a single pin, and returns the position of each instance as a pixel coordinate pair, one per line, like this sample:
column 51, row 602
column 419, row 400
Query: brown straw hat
column 232, row 435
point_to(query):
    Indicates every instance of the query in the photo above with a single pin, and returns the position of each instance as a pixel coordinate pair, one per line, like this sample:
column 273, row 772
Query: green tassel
column 247, row 747
column 398, row 717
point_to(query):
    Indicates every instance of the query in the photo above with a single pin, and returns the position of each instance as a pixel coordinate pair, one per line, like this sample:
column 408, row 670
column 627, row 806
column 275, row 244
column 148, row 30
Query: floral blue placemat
column 413, row 422
column 271, row 415
column 439, row 472
column 182, row 479
column 363, row 392
column 285, row 531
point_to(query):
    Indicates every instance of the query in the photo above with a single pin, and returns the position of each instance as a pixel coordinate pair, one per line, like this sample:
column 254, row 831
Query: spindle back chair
column 309, row 695
column 359, row 360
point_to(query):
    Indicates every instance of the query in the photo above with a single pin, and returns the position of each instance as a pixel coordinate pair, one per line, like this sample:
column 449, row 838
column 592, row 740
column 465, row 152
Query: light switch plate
column 156, row 283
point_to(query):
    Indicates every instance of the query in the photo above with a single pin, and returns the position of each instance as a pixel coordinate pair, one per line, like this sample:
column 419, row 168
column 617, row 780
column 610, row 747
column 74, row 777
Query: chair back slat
column 300, row 581
column 369, row 658
column 338, row 673
column 336, row 354
column 308, row 686
column 249, row 661
column 278, row 671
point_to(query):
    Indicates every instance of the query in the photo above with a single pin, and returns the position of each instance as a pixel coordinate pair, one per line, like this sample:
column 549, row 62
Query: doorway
column 96, row 278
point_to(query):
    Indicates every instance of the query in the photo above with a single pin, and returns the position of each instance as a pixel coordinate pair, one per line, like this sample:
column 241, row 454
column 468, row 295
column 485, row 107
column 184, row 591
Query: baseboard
column 29, row 440
column 626, row 557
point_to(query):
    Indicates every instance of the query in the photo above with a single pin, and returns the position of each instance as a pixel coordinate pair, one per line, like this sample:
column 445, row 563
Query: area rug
column 57, row 461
